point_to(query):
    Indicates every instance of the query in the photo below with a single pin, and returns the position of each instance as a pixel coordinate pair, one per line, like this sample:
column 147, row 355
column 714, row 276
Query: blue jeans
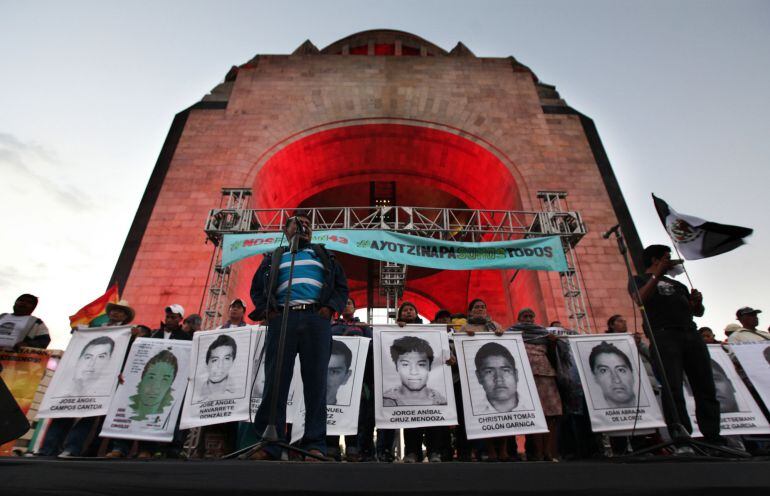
column 308, row 334
column 67, row 434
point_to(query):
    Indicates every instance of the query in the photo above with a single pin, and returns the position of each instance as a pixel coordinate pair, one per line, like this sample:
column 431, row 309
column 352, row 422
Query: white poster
column 412, row 383
column 739, row 413
column 344, row 380
column 755, row 360
column 617, row 390
column 146, row 406
column 87, row 374
column 258, row 384
column 222, row 371
column 499, row 392
column 13, row 328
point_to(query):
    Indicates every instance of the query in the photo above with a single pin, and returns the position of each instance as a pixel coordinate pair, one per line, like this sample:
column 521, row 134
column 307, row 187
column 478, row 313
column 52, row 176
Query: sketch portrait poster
column 87, row 374
column 739, row 413
column 146, row 406
column 222, row 372
column 498, row 388
column 617, row 390
column 412, row 383
column 755, row 360
column 344, row 380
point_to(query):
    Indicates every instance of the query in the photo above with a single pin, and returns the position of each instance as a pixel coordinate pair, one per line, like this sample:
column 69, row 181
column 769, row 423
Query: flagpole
column 680, row 257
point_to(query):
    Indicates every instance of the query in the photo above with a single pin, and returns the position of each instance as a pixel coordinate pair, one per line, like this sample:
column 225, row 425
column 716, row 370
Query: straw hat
column 122, row 305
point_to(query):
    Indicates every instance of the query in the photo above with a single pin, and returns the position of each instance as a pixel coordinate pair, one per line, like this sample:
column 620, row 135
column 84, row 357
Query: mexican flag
column 697, row 238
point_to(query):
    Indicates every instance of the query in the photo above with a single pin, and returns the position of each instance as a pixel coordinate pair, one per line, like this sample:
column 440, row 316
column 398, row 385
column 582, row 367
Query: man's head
column 413, row 358
column 350, row 308
column 654, row 254
column 731, row 328
column 617, row 323
column 25, row 304
column 157, row 378
column 301, row 217
column 724, row 388
column 220, row 357
column 443, row 316
column 192, row 323
column 707, row 334
column 174, row 316
column 748, row 317
column 612, row 370
column 120, row 312
column 526, row 316
column 237, row 310
column 407, row 312
column 497, row 374
column 338, row 371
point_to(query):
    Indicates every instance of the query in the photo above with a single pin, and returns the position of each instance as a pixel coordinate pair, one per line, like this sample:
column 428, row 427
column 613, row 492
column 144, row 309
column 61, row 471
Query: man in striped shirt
column 319, row 289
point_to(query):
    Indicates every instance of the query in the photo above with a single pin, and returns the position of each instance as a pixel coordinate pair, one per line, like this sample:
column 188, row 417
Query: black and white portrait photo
column 616, row 386
column 499, row 393
column 413, row 384
column 739, row 413
column 612, row 375
column 87, row 375
column 497, row 372
column 413, row 359
column 222, row 365
column 339, row 374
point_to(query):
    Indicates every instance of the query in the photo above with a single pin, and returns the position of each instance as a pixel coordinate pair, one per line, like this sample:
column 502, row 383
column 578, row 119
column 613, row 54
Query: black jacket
column 334, row 293
column 175, row 334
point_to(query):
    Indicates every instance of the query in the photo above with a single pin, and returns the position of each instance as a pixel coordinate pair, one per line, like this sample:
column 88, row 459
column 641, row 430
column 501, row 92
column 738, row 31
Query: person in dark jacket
column 319, row 290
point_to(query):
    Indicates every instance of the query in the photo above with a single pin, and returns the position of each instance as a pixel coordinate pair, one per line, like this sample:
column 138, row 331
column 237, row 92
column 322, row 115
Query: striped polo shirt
column 308, row 278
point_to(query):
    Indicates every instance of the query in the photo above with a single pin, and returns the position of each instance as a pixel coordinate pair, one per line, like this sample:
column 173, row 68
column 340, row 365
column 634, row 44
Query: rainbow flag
column 95, row 313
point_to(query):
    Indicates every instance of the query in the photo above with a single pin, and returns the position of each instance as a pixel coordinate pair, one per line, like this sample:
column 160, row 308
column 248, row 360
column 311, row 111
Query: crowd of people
column 319, row 307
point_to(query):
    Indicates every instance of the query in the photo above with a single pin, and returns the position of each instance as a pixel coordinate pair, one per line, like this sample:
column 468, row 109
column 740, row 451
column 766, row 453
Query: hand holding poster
column 412, row 384
column 499, row 393
column 146, row 406
column 739, row 413
column 344, row 380
column 617, row 390
column 86, row 377
column 222, row 371
column 755, row 360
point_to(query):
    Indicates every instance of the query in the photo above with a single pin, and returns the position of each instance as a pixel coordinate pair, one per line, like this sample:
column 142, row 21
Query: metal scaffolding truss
column 453, row 224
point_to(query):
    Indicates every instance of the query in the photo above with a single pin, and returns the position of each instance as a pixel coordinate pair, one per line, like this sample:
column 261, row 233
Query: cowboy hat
column 122, row 305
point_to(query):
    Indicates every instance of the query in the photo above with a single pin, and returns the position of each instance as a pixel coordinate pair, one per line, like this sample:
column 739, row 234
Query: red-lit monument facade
column 380, row 115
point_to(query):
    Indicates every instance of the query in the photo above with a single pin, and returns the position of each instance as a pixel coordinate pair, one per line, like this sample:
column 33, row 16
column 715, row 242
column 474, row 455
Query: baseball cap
column 176, row 308
column 746, row 311
column 239, row 302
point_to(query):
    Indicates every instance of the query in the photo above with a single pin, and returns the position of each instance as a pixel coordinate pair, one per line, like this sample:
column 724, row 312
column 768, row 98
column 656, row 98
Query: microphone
column 300, row 226
column 613, row 229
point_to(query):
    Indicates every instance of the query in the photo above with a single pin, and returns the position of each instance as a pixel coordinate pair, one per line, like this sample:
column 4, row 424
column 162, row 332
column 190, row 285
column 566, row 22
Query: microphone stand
column 680, row 438
column 270, row 436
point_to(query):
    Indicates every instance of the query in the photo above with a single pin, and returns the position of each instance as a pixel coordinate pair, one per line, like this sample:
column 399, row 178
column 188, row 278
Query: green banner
column 533, row 253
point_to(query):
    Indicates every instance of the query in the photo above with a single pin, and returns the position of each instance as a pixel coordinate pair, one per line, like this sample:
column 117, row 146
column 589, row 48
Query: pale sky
column 89, row 89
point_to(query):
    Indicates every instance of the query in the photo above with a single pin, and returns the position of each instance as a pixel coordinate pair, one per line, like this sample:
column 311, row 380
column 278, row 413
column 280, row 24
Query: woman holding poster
column 540, row 344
